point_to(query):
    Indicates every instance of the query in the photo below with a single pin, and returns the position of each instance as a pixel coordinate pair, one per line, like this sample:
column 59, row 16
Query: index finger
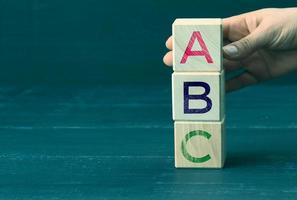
column 169, row 43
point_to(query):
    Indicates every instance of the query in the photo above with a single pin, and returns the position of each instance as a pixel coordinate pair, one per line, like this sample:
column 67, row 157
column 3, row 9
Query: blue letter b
column 204, row 97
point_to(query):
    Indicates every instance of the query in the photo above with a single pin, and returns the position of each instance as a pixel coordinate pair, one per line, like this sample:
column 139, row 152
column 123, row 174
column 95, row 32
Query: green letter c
column 186, row 153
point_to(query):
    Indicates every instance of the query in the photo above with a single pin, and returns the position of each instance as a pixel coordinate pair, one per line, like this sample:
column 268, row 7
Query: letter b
column 203, row 97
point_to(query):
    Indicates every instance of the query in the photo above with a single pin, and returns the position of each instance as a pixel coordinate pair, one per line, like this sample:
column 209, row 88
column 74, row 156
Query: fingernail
column 231, row 50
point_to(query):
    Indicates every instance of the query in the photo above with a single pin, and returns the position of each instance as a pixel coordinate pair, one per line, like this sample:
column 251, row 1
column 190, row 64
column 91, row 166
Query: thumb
column 245, row 46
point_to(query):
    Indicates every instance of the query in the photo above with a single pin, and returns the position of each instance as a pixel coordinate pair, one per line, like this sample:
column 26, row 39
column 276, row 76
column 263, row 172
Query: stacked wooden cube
column 198, row 93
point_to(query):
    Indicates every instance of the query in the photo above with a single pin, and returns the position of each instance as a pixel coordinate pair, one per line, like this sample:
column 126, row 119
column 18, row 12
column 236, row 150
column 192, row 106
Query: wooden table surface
column 95, row 142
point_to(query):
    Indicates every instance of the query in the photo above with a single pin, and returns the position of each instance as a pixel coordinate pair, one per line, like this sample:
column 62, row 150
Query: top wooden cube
column 197, row 45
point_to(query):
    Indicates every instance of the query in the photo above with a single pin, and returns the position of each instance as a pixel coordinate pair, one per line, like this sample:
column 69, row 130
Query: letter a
column 204, row 52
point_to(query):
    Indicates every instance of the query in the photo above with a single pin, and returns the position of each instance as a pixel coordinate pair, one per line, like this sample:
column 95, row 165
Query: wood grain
column 199, row 144
column 211, row 33
column 217, row 92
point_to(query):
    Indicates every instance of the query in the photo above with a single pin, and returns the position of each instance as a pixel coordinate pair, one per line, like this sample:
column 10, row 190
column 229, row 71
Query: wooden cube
column 197, row 45
column 198, row 96
column 199, row 144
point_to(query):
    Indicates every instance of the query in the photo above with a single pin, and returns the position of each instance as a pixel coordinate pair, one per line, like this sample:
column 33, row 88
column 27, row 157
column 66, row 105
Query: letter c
column 186, row 153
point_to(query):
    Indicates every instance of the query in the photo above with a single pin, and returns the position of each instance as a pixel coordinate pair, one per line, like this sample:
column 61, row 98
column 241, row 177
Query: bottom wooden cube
column 199, row 144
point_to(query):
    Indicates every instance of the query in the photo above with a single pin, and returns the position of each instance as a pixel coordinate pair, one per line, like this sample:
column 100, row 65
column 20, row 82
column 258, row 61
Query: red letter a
column 204, row 52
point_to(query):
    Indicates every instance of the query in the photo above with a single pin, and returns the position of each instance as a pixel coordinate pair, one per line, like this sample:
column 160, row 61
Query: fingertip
column 169, row 43
column 167, row 59
column 231, row 51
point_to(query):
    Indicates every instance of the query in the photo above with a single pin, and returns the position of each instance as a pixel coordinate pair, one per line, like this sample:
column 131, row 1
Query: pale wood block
column 197, row 45
column 199, row 144
column 198, row 96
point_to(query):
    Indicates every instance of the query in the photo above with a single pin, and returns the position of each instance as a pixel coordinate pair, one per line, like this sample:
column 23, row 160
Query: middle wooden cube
column 198, row 96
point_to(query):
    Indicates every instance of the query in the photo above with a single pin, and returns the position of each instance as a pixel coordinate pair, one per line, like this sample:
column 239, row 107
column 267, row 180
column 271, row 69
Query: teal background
column 85, row 107
column 111, row 42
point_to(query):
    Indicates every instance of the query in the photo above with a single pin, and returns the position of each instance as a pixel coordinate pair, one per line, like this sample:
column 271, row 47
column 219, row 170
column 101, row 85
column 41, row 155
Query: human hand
column 263, row 43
